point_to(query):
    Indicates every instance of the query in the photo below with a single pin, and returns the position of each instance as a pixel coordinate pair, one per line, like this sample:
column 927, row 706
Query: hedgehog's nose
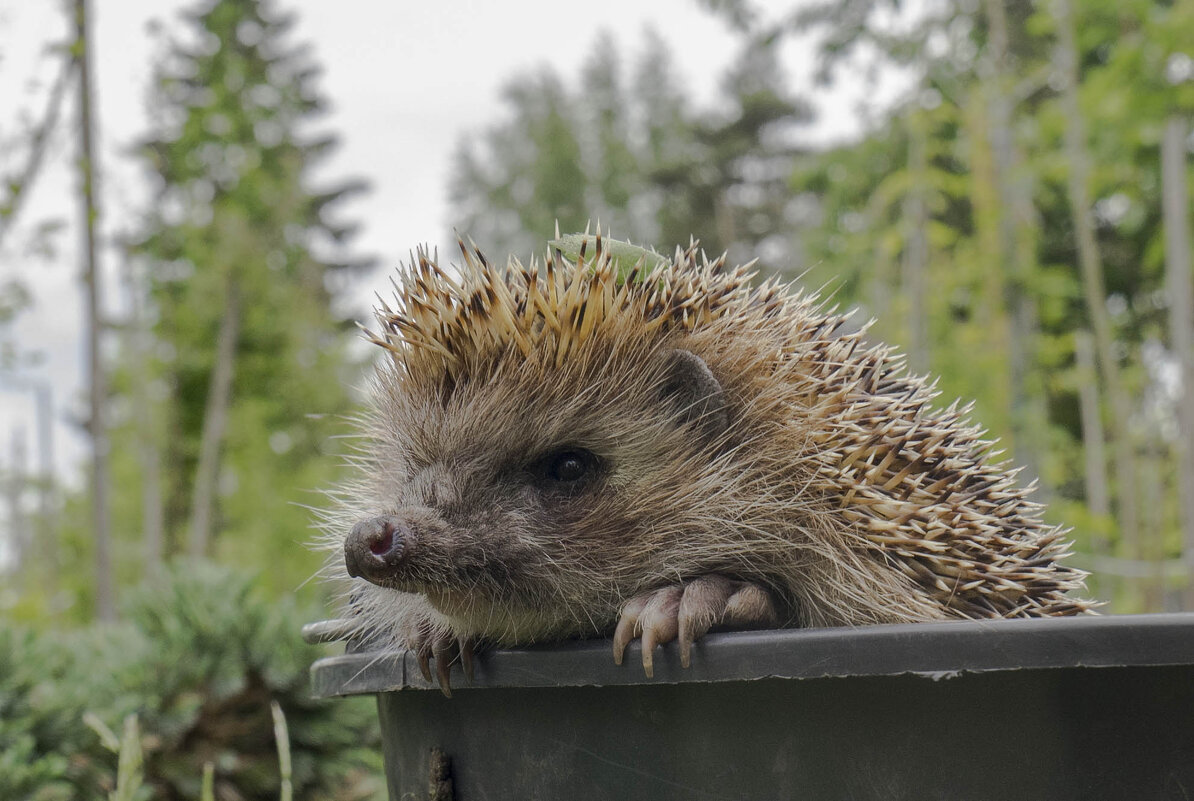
column 376, row 546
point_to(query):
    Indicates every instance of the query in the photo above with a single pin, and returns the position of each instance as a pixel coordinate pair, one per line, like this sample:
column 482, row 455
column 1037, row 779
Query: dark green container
column 1067, row 708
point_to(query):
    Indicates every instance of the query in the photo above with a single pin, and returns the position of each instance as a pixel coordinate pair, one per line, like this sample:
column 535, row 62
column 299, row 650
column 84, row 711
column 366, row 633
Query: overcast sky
column 405, row 79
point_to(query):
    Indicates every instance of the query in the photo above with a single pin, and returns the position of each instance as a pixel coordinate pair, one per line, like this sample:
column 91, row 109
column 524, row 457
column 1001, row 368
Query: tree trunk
column 105, row 595
column 139, row 340
column 1098, row 499
column 1176, row 215
column 916, row 246
column 1091, row 265
column 988, row 204
column 882, row 280
column 215, row 418
column 1017, row 245
column 1152, row 513
column 19, row 535
column 47, row 493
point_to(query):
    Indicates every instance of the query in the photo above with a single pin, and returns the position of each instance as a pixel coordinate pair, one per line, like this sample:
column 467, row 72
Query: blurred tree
column 1008, row 218
column 27, row 142
column 97, row 368
column 529, row 173
column 916, row 248
column 731, row 186
column 1123, row 91
column 963, row 60
column 31, row 146
column 14, row 298
column 1181, row 318
column 243, row 253
column 137, row 345
column 1090, row 261
column 637, row 157
column 612, row 162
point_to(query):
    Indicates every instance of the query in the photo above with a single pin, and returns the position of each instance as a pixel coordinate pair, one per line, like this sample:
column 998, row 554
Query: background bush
column 198, row 657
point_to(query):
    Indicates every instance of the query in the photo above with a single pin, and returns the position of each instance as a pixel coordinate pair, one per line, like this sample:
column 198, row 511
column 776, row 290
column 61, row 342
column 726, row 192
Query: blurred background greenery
column 1016, row 219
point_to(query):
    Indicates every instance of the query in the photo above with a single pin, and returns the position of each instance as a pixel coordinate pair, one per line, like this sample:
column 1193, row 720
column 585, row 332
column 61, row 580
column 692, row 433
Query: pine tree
column 635, row 156
column 244, row 257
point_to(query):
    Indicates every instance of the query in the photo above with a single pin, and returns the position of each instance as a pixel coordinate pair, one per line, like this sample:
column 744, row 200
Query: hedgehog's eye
column 569, row 466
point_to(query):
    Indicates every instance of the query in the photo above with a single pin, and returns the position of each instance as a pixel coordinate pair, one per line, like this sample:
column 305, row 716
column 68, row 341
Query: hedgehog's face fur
column 535, row 496
column 543, row 447
column 517, row 503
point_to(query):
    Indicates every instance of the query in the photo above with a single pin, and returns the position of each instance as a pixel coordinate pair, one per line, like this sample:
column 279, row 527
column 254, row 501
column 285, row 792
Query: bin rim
column 935, row 650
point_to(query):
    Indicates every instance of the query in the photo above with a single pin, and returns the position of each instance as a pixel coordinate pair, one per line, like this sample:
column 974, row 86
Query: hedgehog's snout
column 375, row 547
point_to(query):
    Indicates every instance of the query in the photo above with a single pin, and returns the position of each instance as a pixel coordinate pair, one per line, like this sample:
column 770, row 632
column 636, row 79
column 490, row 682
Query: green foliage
column 14, row 298
column 30, row 768
column 1003, row 295
column 634, row 156
column 197, row 664
column 129, row 757
column 238, row 230
column 1129, row 84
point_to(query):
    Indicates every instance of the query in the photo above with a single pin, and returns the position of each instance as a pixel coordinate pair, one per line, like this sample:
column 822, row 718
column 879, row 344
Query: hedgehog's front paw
column 430, row 639
column 688, row 611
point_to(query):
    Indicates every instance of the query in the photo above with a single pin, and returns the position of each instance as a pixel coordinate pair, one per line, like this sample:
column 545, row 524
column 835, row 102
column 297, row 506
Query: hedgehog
column 589, row 447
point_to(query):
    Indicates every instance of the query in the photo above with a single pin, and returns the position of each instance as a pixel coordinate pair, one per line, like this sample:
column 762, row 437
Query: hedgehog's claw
column 628, row 625
column 444, row 656
column 659, row 623
column 427, row 642
column 421, row 641
column 424, row 664
column 687, row 612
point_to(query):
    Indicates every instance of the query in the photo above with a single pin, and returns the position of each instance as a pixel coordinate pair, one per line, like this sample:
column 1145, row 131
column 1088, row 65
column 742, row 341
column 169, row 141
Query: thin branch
column 38, row 146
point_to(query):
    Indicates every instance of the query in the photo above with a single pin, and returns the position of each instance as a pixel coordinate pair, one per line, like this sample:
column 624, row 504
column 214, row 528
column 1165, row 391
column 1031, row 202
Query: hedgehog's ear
column 690, row 387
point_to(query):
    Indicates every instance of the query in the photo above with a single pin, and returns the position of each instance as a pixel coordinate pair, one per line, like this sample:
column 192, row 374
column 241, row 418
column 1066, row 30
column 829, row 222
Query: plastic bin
column 1064, row 708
